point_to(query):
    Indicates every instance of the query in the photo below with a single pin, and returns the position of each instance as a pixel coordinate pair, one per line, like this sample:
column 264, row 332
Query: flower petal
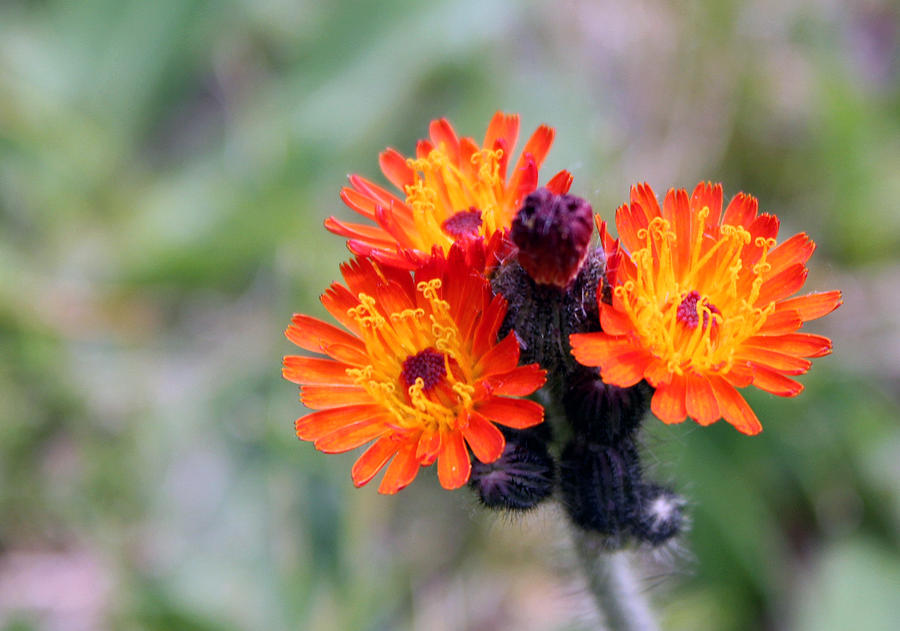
column 795, row 250
column 626, row 369
column 317, row 371
column 775, row 382
column 734, row 408
column 812, row 306
column 668, row 401
column 799, row 344
column 429, row 447
column 502, row 358
column 613, row 321
column 485, row 440
column 515, row 413
column 351, row 436
column 700, row 400
column 786, row 282
column 741, row 210
column 393, row 165
column 781, row 321
column 453, row 462
column 319, row 397
column 787, row 364
column 596, row 349
column 373, row 460
column 318, row 424
column 402, row 470
column 519, row 382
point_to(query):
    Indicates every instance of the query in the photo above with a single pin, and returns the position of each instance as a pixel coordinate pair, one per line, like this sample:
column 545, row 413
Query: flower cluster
column 471, row 288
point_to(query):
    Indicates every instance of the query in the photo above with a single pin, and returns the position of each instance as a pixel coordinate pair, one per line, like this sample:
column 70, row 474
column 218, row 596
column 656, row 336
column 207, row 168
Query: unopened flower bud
column 552, row 233
column 543, row 316
column 521, row 478
column 600, row 486
column 661, row 515
column 603, row 413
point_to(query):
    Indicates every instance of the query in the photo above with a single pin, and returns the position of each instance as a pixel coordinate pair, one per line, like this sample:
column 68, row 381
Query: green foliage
column 165, row 168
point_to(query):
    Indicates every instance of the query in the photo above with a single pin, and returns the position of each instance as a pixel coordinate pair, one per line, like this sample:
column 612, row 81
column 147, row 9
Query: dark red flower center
column 427, row 364
column 463, row 223
column 687, row 311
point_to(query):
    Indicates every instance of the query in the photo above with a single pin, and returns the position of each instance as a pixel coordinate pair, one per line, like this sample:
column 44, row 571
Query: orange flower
column 701, row 305
column 419, row 372
column 452, row 188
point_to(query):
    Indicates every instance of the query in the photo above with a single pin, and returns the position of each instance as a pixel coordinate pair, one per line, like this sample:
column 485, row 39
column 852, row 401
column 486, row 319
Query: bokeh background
column 165, row 168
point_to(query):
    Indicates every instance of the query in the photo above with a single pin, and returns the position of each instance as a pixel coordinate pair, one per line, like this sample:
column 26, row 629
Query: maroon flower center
column 687, row 311
column 463, row 223
column 427, row 364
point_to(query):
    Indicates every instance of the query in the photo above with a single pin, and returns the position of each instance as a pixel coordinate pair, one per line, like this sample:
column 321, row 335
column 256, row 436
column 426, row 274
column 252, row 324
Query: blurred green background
column 165, row 168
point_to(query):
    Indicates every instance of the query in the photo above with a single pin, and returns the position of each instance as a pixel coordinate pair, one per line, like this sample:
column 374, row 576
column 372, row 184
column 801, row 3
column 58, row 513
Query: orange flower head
column 418, row 370
column 701, row 305
column 453, row 189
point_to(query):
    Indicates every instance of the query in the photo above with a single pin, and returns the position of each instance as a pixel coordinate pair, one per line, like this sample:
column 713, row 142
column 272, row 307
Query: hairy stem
column 610, row 579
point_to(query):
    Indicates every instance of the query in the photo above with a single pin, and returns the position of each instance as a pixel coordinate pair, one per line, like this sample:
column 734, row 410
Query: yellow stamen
column 726, row 315
column 391, row 338
column 441, row 188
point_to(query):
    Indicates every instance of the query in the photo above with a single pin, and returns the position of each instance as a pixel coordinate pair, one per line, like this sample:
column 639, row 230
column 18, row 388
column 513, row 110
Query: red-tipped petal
column 402, row 470
column 393, row 165
column 700, row 400
column 779, row 362
column 503, row 127
column 351, row 436
column 429, row 447
column 614, row 322
column 668, row 401
column 538, row 145
column 331, row 396
column 788, row 281
column 776, row 383
column 626, row 369
column 314, row 335
column 485, row 440
column 373, row 460
column 442, row 135
column 519, row 382
column 644, row 199
column 734, row 408
column 708, row 195
column 741, row 211
column 795, row 250
column 781, row 322
column 371, row 235
column 812, row 306
column 502, row 358
column 453, row 462
column 560, row 183
column 595, row 349
column 313, row 370
column 799, row 344
column 318, row 424
column 515, row 413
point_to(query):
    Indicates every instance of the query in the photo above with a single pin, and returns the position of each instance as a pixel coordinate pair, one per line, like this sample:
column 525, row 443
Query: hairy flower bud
column 661, row 515
column 601, row 486
column 603, row 413
column 552, row 233
column 543, row 316
column 521, row 478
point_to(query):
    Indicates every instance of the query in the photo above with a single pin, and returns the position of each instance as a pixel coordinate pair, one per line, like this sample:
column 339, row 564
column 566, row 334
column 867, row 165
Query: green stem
column 610, row 579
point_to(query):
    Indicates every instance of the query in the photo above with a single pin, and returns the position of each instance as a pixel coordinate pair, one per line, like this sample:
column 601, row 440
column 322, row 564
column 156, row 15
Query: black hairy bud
column 661, row 515
column 601, row 485
column 521, row 478
column 603, row 413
